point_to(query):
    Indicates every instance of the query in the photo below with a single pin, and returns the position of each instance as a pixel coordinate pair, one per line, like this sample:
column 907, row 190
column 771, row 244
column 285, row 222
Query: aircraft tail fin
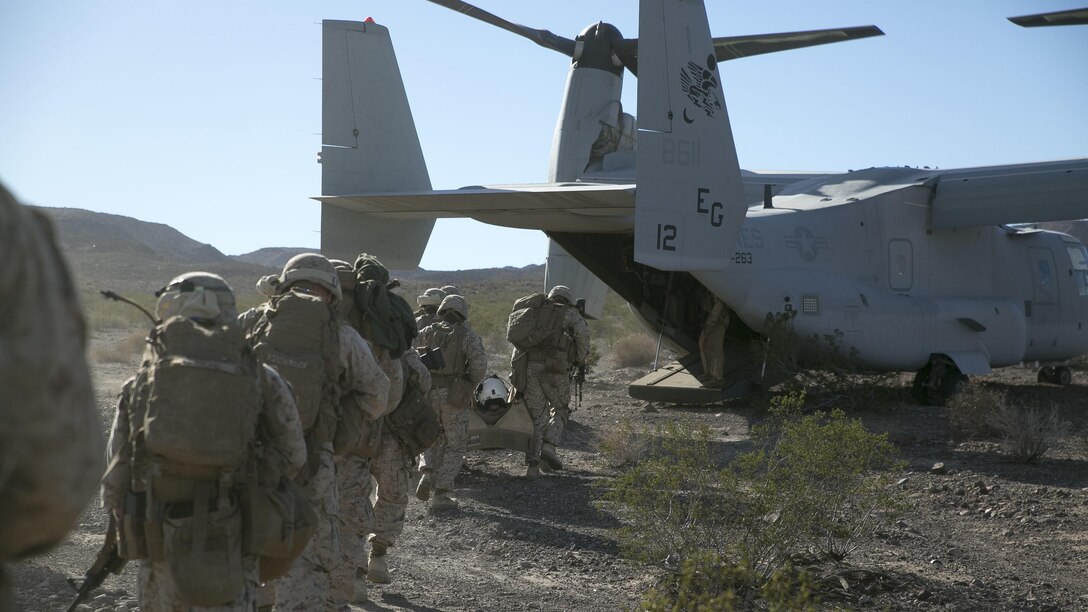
column 689, row 203
column 369, row 144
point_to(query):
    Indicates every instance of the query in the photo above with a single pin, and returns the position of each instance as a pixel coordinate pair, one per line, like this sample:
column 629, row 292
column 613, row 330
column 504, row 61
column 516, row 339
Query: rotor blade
column 627, row 51
column 544, row 38
column 1070, row 17
column 735, row 47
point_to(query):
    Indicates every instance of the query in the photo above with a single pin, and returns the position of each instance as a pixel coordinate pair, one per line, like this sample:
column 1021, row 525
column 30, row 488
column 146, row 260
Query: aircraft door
column 1045, row 307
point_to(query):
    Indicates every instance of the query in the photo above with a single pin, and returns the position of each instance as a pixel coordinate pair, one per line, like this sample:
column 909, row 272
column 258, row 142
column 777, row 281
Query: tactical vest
column 451, row 339
column 299, row 336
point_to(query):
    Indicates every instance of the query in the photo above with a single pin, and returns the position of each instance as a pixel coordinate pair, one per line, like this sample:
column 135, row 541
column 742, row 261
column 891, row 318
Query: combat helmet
column 561, row 291
column 311, row 267
column 430, row 297
column 451, row 290
column 455, row 303
column 197, row 295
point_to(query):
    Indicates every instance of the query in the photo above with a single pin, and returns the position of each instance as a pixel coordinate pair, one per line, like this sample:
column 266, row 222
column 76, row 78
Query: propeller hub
column 594, row 48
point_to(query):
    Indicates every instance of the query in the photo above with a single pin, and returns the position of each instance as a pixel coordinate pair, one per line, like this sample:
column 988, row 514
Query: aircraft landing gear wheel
column 1063, row 375
column 1055, row 375
column 936, row 382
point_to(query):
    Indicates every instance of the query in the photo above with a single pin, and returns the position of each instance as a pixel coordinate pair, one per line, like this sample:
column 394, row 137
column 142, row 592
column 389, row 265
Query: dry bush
column 624, row 444
column 970, row 413
column 1028, row 432
column 634, row 350
column 126, row 350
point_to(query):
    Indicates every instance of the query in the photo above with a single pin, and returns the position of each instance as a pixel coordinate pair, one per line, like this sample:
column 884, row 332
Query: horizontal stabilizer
column 551, row 207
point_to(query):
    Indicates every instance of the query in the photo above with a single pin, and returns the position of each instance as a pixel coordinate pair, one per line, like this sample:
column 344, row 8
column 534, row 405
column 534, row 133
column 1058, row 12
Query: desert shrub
column 970, row 413
column 817, row 364
column 707, row 582
column 817, row 484
column 1028, row 432
column 624, row 444
column 634, row 350
column 823, row 477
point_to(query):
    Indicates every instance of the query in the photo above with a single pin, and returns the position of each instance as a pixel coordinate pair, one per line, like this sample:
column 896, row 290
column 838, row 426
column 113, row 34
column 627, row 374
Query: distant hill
column 273, row 257
column 128, row 255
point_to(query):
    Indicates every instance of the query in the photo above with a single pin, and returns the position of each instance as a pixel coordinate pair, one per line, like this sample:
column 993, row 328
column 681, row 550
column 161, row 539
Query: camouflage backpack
column 193, row 427
column 202, row 401
column 386, row 319
column 534, row 322
column 414, row 422
column 299, row 335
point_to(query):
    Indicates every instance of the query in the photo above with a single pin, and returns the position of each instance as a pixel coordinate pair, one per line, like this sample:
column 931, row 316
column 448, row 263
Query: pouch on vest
column 203, row 553
column 414, row 422
column 356, row 432
column 298, row 335
column 281, row 522
column 432, row 358
column 131, row 537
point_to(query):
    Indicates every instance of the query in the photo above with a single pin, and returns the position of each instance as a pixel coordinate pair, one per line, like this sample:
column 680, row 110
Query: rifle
column 107, row 562
column 578, row 375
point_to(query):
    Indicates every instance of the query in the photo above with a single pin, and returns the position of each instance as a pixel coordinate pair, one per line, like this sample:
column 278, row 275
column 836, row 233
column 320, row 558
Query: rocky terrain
column 980, row 533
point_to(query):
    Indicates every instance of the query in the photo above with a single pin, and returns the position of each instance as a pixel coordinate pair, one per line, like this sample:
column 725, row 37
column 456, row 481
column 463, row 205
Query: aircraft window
column 1078, row 256
column 1044, row 272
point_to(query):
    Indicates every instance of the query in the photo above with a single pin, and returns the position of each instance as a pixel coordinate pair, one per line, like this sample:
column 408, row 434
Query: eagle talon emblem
column 701, row 86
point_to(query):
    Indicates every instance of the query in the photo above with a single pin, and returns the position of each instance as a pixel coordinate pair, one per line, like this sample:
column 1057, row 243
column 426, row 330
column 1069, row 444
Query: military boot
column 547, row 453
column 442, row 501
column 359, row 595
column 426, row 483
column 533, row 472
column 377, row 570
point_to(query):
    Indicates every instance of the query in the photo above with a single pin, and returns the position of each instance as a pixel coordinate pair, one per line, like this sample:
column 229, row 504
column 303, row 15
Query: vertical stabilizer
column 369, row 145
column 689, row 204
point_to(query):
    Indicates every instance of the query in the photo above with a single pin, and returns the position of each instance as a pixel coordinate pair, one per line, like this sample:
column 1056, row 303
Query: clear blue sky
column 204, row 114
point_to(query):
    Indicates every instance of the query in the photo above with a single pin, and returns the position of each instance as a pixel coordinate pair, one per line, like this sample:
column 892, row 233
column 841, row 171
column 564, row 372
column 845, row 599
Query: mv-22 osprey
column 916, row 270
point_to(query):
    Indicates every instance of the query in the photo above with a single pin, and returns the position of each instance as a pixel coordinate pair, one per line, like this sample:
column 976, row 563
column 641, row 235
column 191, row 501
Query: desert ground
column 981, row 532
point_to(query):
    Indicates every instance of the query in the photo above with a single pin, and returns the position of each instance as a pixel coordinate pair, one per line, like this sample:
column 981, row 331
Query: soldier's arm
column 412, row 360
column 282, row 422
column 248, row 319
column 580, row 331
column 115, row 482
column 362, row 375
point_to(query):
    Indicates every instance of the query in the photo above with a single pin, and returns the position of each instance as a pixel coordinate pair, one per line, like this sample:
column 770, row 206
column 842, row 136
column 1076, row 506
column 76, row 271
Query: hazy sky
column 204, row 114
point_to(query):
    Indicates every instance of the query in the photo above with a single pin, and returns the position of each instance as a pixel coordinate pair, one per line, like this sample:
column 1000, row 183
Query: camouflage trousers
column 158, row 593
column 306, row 586
column 356, row 521
column 445, row 457
column 547, row 398
column 393, row 472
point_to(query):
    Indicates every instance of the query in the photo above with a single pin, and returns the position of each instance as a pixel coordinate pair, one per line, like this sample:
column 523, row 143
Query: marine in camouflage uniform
column 548, row 388
column 207, row 297
column 354, row 476
column 451, row 397
column 50, row 441
column 393, row 470
column 309, row 584
column 428, row 304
